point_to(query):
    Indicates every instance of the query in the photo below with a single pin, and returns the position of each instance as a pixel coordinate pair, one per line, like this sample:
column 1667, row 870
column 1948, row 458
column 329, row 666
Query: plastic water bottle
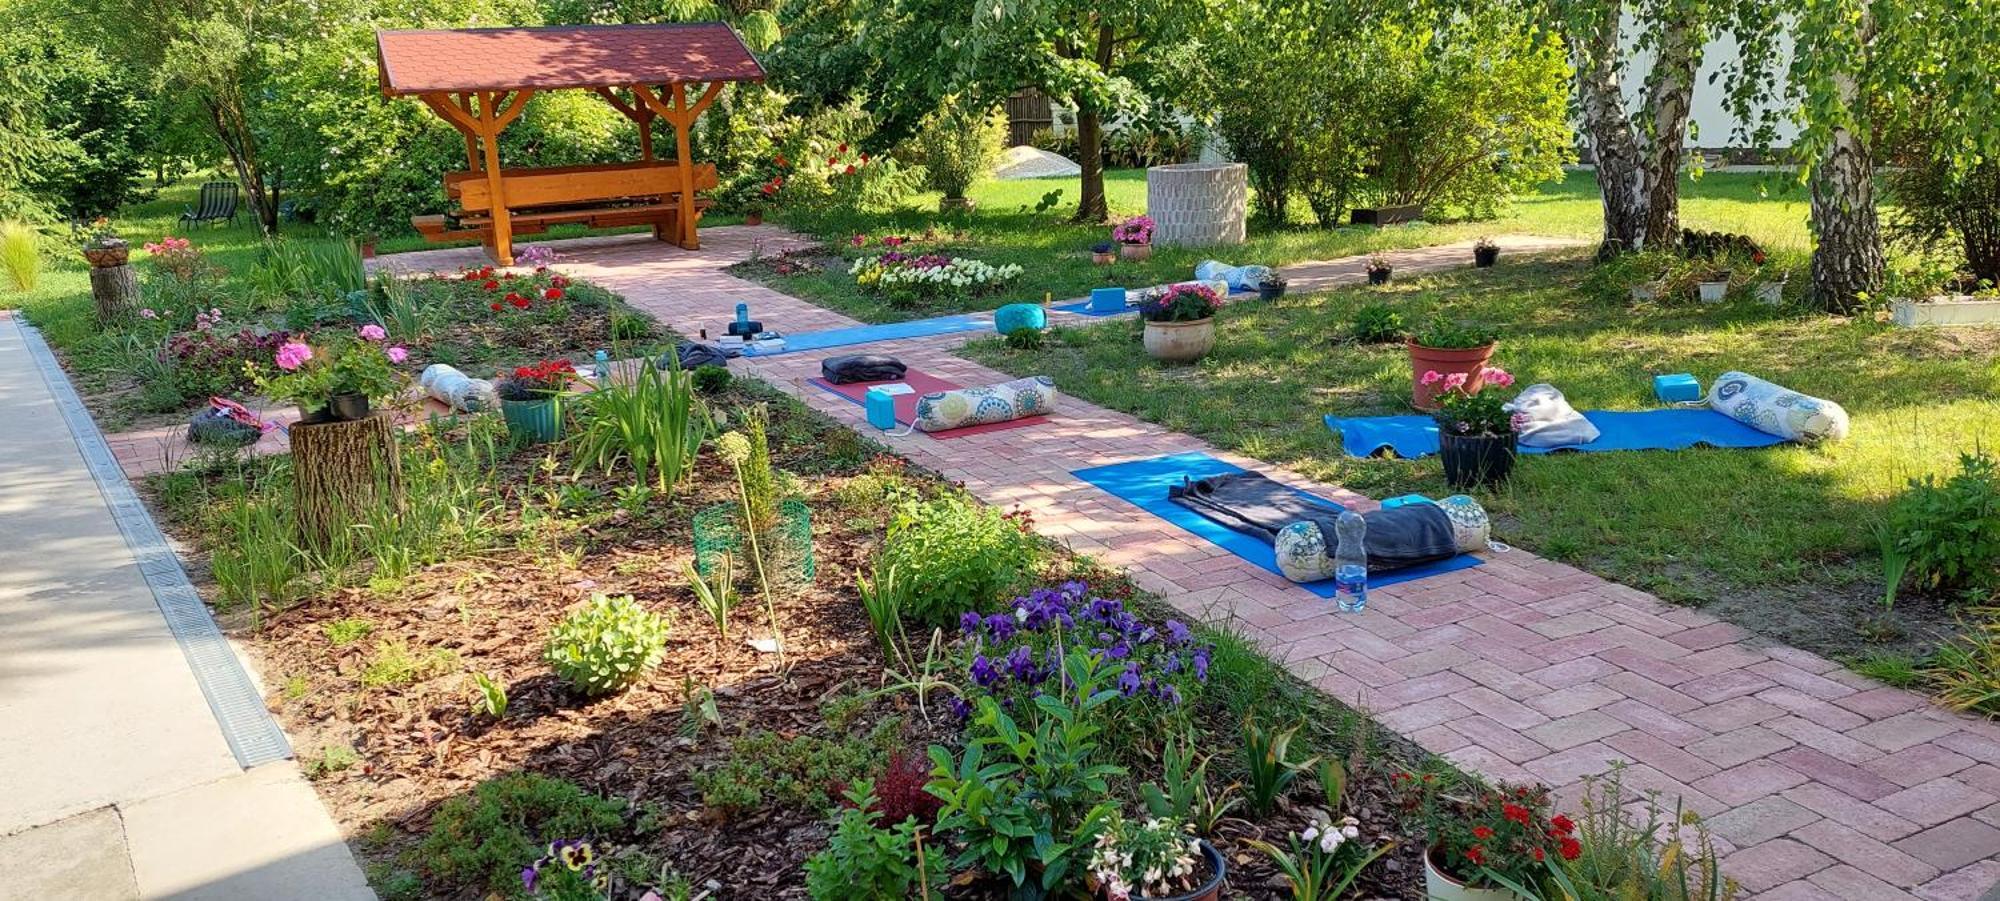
column 1350, row 562
column 602, row 369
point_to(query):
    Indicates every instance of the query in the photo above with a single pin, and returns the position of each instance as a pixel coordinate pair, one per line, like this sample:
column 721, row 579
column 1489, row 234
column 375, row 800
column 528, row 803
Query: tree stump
column 116, row 290
column 341, row 473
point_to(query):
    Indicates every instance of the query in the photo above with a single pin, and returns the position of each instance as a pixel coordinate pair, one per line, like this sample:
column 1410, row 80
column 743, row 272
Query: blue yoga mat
column 1082, row 307
column 888, row 331
column 1145, row 483
column 1671, row 429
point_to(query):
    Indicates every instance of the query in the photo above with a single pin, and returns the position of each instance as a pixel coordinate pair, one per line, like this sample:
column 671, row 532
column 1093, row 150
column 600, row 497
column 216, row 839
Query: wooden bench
column 598, row 196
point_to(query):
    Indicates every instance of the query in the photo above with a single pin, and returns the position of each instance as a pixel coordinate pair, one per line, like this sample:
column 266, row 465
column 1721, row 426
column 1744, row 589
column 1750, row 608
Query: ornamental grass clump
column 607, row 645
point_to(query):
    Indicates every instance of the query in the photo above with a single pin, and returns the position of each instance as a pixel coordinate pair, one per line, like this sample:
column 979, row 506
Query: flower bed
column 910, row 280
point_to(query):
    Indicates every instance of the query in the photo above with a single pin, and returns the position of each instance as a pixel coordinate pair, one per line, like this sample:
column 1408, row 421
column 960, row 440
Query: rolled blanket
column 850, row 368
column 457, row 390
column 1306, row 549
column 1777, row 410
column 960, row 407
column 1238, row 278
column 1546, row 419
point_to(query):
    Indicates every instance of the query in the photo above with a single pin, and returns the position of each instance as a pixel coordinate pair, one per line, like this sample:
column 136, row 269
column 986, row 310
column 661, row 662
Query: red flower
column 491, row 285
column 864, row 157
column 850, row 170
column 780, row 160
column 1482, row 833
column 831, row 161
column 1539, row 854
column 1515, row 812
column 559, row 281
column 1570, row 849
column 520, row 303
column 496, row 308
column 552, row 294
column 1563, row 824
column 842, row 148
column 1477, row 855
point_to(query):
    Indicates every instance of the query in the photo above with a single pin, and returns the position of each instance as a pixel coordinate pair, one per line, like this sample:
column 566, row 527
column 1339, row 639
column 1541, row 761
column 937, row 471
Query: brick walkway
column 1817, row 782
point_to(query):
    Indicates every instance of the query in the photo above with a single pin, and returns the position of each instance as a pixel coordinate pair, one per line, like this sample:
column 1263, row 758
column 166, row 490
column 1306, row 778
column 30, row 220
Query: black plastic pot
column 1218, row 870
column 1476, row 462
column 1485, row 257
column 1270, row 290
column 1379, row 276
column 347, row 407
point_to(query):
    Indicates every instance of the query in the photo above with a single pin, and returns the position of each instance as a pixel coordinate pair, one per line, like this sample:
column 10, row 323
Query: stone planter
column 1448, row 360
column 1135, row 251
column 1180, row 342
column 1439, row 886
column 1771, row 294
column 1946, row 310
column 950, row 205
column 1194, row 204
column 1647, row 291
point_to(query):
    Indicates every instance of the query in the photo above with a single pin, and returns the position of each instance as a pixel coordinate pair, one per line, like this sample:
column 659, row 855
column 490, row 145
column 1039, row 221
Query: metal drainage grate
column 239, row 710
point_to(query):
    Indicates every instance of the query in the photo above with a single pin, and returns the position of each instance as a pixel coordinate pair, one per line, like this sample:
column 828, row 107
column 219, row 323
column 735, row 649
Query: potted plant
column 1155, row 860
column 1485, row 253
column 753, row 214
column 366, row 243
column 336, row 379
column 531, row 399
column 1379, row 269
column 101, row 245
column 1272, row 287
column 1134, row 237
column 1180, row 323
column 1771, row 292
column 1448, row 347
column 1102, row 253
column 1475, row 429
column 1714, row 286
column 1495, row 837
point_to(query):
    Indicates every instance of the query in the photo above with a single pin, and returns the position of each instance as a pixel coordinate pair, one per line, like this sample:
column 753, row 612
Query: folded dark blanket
column 693, row 356
column 850, row 368
column 1254, row 504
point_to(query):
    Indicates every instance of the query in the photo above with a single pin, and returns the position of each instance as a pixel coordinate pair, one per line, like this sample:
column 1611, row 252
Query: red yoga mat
column 906, row 404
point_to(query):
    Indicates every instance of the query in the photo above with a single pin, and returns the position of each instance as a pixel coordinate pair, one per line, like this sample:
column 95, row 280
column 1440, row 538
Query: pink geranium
column 373, row 332
column 1495, row 376
column 1454, row 381
column 398, row 354
column 293, row 355
column 1432, row 377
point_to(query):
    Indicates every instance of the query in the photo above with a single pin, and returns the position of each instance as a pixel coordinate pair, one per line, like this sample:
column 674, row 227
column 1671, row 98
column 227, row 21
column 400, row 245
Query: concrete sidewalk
column 122, row 774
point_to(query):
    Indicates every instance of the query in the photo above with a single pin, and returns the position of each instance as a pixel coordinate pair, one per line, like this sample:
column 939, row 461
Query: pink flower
column 1454, row 381
column 148, row 313
column 1495, row 376
column 293, row 355
column 859, row 240
column 373, row 332
column 1432, row 377
column 398, row 354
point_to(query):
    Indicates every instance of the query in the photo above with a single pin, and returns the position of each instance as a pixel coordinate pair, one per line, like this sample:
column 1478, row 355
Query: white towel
column 1547, row 420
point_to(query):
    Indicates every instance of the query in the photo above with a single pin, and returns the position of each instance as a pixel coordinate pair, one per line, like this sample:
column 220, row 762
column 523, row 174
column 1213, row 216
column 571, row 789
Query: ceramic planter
column 538, row 421
column 1485, row 257
column 1135, row 251
column 1946, row 310
column 1103, row 257
column 1180, row 342
column 1477, row 462
column 1210, row 889
column 1448, row 360
column 1713, row 292
column 1440, row 886
column 347, row 407
column 1379, row 276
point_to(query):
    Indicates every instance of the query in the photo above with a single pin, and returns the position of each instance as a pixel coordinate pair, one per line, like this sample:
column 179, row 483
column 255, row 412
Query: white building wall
column 1712, row 125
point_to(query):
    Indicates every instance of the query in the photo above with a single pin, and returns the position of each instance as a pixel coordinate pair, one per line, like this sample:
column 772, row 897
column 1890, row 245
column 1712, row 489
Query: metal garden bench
column 217, row 203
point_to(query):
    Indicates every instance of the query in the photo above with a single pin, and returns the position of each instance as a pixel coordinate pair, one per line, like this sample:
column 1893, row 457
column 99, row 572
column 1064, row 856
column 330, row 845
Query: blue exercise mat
column 1145, row 483
column 888, row 331
column 1670, row 429
column 1082, row 307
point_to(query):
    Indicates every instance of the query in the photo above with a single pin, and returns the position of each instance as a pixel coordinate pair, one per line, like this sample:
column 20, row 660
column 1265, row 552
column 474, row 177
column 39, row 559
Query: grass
column 1776, row 539
column 1006, row 228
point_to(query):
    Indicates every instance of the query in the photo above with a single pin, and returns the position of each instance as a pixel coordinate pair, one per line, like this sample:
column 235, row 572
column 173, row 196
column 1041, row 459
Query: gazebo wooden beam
column 681, row 115
column 637, row 111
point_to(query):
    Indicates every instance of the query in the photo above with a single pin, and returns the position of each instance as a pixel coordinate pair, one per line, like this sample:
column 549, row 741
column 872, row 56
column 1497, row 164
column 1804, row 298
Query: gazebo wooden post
column 684, row 157
column 500, row 238
column 472, row 160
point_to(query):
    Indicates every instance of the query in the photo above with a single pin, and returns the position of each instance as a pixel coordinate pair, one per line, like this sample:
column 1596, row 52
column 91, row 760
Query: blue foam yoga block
column 1017, row 316
column 1107, row 300
column 1676, row 388
column 881, row 407
column 1405, row 500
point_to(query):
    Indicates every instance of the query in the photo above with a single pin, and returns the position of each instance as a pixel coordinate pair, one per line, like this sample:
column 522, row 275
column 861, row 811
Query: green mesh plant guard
column 788, row 550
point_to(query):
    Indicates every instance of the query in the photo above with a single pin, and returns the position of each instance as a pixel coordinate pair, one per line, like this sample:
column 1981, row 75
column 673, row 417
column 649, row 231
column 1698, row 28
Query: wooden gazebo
column 481, row 79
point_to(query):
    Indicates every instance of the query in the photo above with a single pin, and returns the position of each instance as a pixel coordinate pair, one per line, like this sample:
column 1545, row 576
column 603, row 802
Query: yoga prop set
column 896, row 401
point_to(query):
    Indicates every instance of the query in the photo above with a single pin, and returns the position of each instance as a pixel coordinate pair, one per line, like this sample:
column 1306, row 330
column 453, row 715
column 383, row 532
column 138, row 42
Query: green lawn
column 1006, row 229
column 1778, row 539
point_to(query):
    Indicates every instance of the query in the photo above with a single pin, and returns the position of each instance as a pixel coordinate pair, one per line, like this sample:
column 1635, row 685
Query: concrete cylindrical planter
column 1440, row 886
column 1447, row 360
column 1180, row 342
column 1194, row 204
column 1771, row 293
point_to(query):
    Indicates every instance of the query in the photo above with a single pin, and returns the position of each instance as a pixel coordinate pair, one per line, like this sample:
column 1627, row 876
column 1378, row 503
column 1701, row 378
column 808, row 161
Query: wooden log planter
column 116, row 291
column 342, row 472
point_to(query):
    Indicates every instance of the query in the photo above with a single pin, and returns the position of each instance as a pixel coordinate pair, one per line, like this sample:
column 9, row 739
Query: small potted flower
column 337, row 379
column 1485, row 253
column 1272, row 287
column 1449, row 347
column 1155, row 860
column 1480, row 844
column 1476, row 431
column 753, row 214
column 531, row 399
column 1379, row 269
column 1714, row 286
column 1102, row 253
column 1134, row 237
column 1180, row 323
column 101, row 245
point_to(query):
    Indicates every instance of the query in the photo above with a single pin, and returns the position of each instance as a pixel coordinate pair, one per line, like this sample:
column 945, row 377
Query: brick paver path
column 1817, row 782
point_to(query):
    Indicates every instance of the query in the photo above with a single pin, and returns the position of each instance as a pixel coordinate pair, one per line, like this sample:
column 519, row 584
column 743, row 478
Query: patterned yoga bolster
column 1301, row 549
column 942, row 411
column 1777, row 410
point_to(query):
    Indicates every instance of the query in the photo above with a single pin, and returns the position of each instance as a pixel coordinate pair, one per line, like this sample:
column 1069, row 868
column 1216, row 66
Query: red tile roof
column 563, row 56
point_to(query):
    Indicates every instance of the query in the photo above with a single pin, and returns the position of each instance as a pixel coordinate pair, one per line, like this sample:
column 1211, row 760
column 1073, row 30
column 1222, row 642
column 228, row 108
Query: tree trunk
column 341, row 473
column 1847, row 256
column 116, row 291
column 1669, row 95
column 1091, row 205
column 1620, row 183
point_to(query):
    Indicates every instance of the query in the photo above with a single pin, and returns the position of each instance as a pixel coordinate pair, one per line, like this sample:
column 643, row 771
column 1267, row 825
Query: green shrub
column 1378, row 323
column 20, row 255
column 956, row 554
column 805, row 771
column 505, row 824
column 760, row 483
column 1950, row 528
column 347, row 630
column 630, row 327
column 711, row 380
column 609, row 644
column 394, row 664
column 959, row 144
column 869, row 861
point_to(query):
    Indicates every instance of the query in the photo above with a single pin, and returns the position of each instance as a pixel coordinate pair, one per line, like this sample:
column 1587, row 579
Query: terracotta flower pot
column 1103, row 259
column 1180, row 342
column 1475, row 462
column 755, row 218
column 1135, row 251
column 1447, row 360
column 1440, row 886
column 1211, row 888
column 107, row 256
